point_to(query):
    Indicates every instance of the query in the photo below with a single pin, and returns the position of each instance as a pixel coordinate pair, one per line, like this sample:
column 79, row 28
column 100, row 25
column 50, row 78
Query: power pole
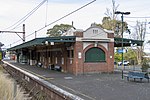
column 122, row 13
column 23, row 38
column 23, row 33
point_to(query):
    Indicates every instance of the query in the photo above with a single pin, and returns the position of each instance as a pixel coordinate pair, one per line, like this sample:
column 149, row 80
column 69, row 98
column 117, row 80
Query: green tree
column 117, row 57
column 131, row 56
column 114, row 25
column 110, row 21
column 110, row 24
column 57, row 30
column 145, row 64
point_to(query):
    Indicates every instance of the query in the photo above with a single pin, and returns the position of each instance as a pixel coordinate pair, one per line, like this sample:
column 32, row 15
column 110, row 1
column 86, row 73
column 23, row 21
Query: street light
column 122, row 13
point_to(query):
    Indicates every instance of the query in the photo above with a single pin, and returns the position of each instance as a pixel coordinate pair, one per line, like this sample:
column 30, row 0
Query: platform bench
column 137, row 75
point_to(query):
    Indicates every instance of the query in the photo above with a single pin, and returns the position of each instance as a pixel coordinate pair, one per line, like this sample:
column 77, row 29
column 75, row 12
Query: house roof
column 41, row 41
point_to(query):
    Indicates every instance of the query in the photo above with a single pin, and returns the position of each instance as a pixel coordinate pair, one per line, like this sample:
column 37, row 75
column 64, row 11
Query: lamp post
column 122, row 13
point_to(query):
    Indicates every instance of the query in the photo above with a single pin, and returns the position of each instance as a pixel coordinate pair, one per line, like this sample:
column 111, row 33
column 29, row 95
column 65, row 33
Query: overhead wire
column 137, row 17
column 59, row 19
column 16, row 25
column 63, row 17
column 26, row 16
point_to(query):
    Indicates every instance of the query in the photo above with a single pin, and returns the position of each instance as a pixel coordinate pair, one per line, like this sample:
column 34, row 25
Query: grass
column 7, row 88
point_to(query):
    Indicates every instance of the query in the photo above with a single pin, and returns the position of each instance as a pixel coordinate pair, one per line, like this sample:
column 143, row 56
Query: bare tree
column 139, row 34
column 110, row 22
column 111, row 12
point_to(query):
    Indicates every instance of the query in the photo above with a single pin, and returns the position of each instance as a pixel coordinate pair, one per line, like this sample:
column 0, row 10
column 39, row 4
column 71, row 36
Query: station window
column 95, row 31
column 70, row 53
column 95, row 55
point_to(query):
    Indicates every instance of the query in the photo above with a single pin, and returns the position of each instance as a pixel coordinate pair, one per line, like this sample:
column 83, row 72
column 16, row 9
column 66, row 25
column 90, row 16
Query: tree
column 139, row 34
column 114, row 25
column 117, row 57
column 145, row 65
column 57, row 30
column 131, row 56
column 110, row 22
column 111, row 12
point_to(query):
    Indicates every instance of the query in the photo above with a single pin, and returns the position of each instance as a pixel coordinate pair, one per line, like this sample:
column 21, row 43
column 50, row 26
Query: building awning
column 41, row 41
column 126, row 42
column 72, row 39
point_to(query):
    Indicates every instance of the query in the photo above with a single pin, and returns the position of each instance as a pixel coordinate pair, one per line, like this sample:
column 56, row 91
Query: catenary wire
column 63, row 17
column 59, row 19
column 26, row 16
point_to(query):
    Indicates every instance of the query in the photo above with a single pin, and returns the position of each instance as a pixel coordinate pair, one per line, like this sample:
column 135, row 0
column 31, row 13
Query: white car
column 125, row 63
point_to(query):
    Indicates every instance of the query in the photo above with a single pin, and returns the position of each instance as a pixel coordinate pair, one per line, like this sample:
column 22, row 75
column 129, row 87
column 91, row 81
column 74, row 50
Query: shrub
column 145, row 65
column 7, row 88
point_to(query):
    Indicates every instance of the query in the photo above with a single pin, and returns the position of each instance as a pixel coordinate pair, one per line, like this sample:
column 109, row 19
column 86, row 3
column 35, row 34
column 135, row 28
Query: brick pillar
column 111, row 53
column 78, row 58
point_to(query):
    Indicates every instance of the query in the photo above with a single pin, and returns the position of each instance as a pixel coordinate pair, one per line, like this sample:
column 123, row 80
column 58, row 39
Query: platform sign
column 120, row 51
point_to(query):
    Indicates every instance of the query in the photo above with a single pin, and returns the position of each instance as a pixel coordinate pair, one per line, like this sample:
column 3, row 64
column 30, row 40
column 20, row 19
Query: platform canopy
column 42, row 41
column 71, row 39
column 126, row 42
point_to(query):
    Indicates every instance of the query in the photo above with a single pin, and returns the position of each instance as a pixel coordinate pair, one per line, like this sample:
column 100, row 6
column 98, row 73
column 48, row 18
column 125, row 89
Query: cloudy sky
column 11, row 11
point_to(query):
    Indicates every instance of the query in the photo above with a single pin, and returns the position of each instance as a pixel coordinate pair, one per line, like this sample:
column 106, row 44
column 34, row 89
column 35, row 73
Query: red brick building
column 78, row 52
column 94, row 51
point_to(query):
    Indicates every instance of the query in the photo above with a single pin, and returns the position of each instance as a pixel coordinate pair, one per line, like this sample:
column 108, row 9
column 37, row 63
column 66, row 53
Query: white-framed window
column 56, row 60
column 95, row 31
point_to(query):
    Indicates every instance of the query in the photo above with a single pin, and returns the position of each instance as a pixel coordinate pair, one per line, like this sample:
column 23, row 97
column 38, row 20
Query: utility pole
column 35, row 34
column 23, row 38
column 122, row 13
column 23, row 33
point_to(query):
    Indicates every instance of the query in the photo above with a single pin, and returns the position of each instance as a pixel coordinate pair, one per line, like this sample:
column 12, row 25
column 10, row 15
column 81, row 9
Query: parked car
column 125, row 63
column 115, row 63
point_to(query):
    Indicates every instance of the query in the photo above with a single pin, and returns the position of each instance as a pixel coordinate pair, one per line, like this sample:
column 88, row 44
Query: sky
column 11, row 11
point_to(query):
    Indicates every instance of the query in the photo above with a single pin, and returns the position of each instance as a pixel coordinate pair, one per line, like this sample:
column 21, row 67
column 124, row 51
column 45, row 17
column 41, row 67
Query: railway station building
column 76, row 51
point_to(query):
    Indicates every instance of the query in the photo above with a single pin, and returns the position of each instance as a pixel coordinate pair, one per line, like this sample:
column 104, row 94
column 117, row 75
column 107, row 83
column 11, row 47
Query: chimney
column 93, row 24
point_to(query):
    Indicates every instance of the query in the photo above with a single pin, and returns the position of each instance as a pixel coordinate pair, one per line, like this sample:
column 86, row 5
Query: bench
column 137, row 75
column 39, row 64
column 56, row 67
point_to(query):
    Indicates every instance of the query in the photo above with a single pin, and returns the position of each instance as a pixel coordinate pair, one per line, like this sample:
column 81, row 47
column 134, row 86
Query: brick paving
column 94, row 86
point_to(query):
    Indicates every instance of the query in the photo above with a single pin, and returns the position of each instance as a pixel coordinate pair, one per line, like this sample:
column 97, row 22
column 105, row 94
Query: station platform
column 102, row 86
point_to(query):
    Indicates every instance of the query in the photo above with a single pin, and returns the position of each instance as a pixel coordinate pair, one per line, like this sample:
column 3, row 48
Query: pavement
column 102, row 86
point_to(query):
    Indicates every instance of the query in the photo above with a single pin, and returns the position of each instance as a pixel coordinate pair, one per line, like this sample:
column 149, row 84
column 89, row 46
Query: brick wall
column 80, row 67
column 78, row 62
column 99, row 66
column 110, row 35
column 78, row 34
column 111, row 57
